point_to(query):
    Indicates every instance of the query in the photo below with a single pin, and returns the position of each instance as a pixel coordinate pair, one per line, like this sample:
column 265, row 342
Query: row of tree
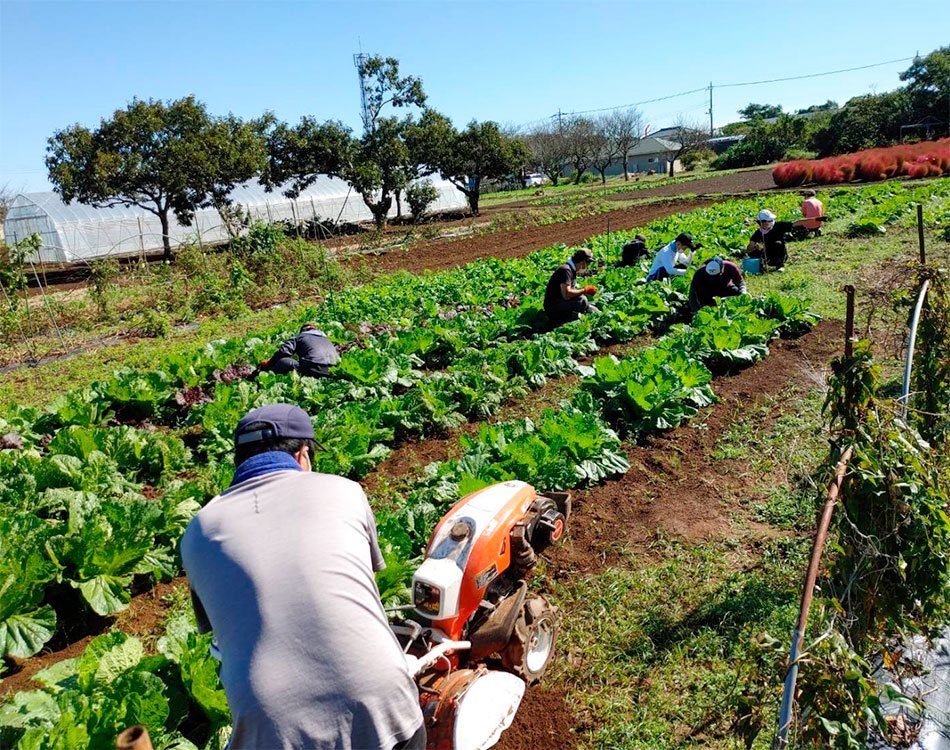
column 172, row 158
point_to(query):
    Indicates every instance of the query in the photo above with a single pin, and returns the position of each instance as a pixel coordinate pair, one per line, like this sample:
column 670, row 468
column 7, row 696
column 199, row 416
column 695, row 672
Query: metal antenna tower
column 359, row 60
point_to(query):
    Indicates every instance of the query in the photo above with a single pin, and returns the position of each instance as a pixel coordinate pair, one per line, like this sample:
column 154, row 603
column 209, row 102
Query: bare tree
column 623, row 128
column 605, row 147
column 689, row 137
column 7, row 194
column 548, row 148
column 582, row 144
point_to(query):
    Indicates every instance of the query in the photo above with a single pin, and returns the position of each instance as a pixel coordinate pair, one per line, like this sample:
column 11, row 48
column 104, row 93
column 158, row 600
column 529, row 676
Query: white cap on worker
column 765, row 215
column 714, row 266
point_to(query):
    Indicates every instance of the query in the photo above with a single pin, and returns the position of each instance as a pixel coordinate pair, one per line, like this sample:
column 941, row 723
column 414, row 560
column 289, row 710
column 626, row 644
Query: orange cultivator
column 476, row 636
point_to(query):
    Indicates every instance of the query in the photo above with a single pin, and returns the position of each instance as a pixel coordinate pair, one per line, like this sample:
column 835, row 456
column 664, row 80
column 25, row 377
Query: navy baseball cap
column 281, row 420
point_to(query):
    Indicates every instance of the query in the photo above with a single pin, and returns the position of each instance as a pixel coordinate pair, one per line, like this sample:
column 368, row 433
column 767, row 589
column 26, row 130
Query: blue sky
column 62, row 63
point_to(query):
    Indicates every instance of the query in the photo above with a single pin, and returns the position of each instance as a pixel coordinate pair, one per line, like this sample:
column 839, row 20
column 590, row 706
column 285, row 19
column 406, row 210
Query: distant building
column 722, row 143
column 649, row 153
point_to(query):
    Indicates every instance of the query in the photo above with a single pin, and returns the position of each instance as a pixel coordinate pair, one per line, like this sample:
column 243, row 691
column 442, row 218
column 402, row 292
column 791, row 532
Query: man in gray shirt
column 315, row 354
column 281, row 569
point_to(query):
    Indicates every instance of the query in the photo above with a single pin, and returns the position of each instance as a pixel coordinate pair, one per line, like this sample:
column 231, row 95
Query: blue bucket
column 752, row 265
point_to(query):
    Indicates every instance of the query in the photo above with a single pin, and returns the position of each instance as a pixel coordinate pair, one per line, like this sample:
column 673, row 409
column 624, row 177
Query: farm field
column 690, row 448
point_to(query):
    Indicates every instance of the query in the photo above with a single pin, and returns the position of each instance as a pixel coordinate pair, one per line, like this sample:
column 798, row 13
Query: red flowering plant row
column 916, row 160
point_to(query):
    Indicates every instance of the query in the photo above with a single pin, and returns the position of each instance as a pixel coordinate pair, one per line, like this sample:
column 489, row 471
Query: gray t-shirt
column 282, row 565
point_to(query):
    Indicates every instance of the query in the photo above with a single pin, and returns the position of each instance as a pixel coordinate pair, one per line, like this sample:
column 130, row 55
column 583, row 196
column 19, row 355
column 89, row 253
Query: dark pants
column 416, row 742
column 658, row 275
column 567, row 310
column 775, row 256
column 287, row 365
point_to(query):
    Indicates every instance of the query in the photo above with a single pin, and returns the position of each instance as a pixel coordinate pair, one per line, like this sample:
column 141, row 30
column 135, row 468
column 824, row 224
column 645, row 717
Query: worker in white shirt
column 679, row 251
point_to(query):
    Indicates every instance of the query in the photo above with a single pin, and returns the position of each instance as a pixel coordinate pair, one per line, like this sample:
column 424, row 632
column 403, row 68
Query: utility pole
column 359, row 60
column 560, row 127
column 710, row 110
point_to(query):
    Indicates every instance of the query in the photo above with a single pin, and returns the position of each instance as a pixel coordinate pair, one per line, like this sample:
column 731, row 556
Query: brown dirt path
column 673, row 487
column 740, row 182
column 443, row 254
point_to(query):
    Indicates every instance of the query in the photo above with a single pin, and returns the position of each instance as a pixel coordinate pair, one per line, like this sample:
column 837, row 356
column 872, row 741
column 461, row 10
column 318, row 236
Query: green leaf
column 59, row 676
column 105, row 594
column 28, row 708
column 106, row 657
column 23, row 635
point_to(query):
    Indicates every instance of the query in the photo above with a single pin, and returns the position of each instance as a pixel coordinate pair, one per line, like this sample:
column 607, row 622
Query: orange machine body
column 490, row 514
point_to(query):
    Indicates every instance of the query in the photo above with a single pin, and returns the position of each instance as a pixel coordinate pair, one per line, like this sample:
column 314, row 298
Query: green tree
column 384, row 86
column 164, row 157
column 864, row 122
column 479, row 152
column 760, row 111
column 929, row 85
column 296, row 155
column 378, row 169
column 378, row 164
column 829, row 106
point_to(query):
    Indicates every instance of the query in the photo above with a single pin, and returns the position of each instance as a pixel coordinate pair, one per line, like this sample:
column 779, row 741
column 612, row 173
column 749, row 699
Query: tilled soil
column 739, row 182
column 445, row 253
column 142, row 618
column 675, row 487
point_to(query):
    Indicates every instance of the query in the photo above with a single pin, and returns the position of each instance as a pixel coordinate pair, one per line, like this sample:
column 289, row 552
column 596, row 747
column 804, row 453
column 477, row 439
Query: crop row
column 87, row 502
column 86, row 701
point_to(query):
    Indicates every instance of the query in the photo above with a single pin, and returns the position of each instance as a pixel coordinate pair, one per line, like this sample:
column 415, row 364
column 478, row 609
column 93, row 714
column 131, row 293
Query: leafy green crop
column 91, row 502
column 655, row 390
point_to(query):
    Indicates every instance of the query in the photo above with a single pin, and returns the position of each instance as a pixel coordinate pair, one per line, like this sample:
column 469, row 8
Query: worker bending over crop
column 668, row 260
column 634, row 251
column 316, row 354
column 281, row 569
column 768, row 241
column 717, row 278
column 564, row 301
column 813, row 210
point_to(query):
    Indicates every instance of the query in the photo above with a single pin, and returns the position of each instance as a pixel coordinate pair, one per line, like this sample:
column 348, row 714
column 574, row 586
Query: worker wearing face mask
column 768, row 241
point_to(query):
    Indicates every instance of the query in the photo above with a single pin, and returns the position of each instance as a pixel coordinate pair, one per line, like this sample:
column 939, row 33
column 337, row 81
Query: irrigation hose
column 908, row 363
column 811, row 575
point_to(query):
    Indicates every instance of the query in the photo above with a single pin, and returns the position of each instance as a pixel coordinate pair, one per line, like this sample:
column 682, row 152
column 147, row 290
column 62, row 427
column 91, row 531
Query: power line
column 728, row 85
column 813, row 75
column 637, row 104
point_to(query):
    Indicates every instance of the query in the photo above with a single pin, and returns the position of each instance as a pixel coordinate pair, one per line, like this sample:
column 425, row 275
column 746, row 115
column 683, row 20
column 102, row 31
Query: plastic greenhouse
column 76, row 233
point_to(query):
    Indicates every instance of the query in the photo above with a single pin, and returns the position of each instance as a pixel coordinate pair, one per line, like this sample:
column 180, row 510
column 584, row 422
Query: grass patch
column 781, row 458
column 656, row 654
column 819, row 268
column 665, row 650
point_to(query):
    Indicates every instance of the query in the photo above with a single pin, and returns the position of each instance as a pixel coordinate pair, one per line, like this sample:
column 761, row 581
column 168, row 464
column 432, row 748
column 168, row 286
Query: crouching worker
column 768, row 241
column 813, row 210
column 717, row 278
column 281, row 570
column 564, row 301
column 667, row 261
column 316, row 354
column 634, row 251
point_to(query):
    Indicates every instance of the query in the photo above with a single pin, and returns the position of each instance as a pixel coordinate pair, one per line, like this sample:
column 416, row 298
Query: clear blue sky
column 62, row 63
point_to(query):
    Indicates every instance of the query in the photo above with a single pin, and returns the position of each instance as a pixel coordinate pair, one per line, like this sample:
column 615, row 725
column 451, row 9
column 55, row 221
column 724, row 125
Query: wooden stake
column 920, row 233
column 134, row 738
column 849, row 323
